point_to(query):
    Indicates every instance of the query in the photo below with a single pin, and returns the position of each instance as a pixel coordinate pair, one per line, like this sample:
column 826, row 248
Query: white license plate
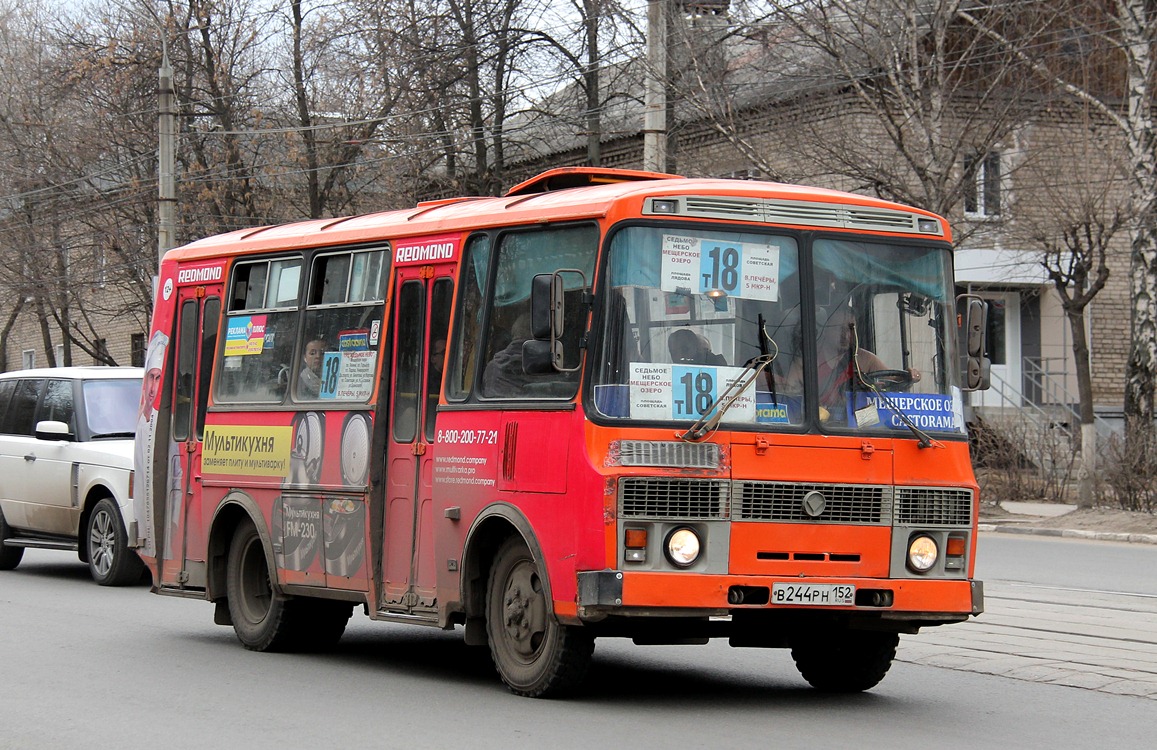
column 813, row 594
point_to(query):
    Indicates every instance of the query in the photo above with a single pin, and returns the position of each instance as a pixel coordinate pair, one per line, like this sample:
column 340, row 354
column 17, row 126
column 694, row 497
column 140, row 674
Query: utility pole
column 166, row 156
column 655, row 92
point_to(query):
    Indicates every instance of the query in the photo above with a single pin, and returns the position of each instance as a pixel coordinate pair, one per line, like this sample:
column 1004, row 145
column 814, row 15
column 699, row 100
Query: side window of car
column 6, row 389
column 18, row 420
column 57, row 404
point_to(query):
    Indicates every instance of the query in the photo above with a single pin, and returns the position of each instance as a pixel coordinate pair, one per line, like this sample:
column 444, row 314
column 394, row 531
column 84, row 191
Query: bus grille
column 657, row 497
column 669, row 453
column 842, row 503
column 933, row 506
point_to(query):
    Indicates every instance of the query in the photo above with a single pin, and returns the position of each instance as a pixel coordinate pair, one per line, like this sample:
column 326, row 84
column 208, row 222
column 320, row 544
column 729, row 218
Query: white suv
column 66, row 465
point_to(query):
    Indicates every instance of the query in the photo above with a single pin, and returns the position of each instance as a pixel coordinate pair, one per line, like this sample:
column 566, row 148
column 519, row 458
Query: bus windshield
column 861, row 335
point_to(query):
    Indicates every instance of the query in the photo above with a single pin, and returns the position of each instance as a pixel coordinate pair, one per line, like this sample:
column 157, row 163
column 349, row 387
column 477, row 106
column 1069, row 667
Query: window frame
column 984, row 191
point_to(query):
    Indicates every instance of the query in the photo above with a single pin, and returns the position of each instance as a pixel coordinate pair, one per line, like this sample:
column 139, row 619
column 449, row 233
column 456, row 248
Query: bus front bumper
column 614, row 592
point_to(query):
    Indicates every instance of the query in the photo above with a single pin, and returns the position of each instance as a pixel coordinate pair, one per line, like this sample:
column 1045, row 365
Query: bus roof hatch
column 572, row 177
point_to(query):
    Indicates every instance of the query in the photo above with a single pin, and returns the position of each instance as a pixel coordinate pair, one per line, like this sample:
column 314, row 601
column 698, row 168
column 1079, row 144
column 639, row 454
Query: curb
column 1101, row 536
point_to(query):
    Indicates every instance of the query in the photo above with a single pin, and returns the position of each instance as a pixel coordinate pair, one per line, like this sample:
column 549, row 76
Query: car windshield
column 685, row 309
column 111, row 406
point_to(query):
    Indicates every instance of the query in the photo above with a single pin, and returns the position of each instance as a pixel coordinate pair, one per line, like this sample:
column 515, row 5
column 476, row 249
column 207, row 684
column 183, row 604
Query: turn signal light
column 635, row 539
column 955, row 546
column 635, row 545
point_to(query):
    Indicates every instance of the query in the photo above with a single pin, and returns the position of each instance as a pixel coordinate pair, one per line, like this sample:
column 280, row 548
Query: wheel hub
column 523, row 608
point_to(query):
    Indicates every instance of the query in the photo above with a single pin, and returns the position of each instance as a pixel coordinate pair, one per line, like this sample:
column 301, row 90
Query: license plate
column 813, row 594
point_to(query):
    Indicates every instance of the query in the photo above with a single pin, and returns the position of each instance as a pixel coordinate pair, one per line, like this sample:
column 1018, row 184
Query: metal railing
column 1042, row 412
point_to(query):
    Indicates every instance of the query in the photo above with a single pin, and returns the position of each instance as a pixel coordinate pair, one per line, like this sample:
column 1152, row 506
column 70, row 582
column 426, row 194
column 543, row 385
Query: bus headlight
column 682, row 547
column 922, row 553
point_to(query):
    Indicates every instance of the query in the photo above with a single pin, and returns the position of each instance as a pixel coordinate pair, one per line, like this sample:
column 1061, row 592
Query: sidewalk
column 1026, row 518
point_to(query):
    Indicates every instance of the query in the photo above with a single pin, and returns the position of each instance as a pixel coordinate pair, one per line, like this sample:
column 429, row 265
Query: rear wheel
column 844, row 661
column 264, row 618
column 535, row 655
column 9, row 556
column 110, row 560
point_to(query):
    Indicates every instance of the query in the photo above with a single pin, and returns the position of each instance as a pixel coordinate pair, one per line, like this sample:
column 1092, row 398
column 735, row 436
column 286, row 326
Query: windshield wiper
column 709, row 421
column 101, row 435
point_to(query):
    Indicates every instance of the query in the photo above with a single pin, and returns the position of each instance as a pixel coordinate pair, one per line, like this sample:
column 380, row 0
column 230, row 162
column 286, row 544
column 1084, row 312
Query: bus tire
column 110, row 561
column 9, row 556
column 535, row 655
column 322, row 624
column 844, row 661
column 262, row 616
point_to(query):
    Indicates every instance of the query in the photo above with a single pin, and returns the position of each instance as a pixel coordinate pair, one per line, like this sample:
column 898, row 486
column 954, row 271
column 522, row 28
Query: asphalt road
column 87, row 667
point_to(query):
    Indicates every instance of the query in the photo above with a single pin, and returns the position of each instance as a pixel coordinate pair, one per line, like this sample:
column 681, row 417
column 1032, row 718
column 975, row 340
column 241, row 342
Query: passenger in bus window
column 837, row 374
column 504, row 374
column 309, row 381
column 688, row 347
column 437, row 358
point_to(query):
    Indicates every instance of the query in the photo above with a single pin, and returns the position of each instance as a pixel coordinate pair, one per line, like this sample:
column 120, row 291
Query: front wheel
column 110, row 561
column 535, row 655
column 844, row 661
column 9, row 556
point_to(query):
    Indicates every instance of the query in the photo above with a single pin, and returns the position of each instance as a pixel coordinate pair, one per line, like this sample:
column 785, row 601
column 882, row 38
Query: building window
column 59, row 354
column 137, row 349
column 28, row 359
column 101, row 356
column 982, row 194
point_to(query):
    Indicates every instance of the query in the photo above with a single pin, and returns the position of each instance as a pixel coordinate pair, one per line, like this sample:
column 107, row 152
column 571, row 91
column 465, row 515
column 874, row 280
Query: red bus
column 606, row 404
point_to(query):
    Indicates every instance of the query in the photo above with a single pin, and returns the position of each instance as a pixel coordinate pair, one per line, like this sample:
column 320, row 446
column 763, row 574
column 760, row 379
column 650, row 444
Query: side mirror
column 975, row 327
column 548, row 321
column 50, row 429
column 547, row 306
column 540, row 357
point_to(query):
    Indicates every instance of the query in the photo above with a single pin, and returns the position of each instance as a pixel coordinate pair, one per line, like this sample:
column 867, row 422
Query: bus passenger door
column 421, row 316
column 198, row 313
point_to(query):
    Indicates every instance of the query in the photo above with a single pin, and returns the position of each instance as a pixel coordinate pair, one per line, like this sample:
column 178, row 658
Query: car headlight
column 922, row 553
column 683, row 547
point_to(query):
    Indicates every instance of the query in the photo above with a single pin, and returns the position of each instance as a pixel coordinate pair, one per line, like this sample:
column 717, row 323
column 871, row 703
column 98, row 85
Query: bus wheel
column 110, row 561
column 844, row 661
column 262, row 617
column 9, row 556
column 535, row 655
column 322, row 622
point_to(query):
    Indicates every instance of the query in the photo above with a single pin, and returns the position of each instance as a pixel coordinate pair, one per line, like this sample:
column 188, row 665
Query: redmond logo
column 438, row 248
column 199, row 275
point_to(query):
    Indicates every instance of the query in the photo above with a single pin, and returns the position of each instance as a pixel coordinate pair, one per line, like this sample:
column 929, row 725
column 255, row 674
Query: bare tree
column 1124, row 34
column 1073, row 224
column 891, row 96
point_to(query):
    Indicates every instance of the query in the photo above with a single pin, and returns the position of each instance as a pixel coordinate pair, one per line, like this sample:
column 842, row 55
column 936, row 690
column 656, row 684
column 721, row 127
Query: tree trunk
column 593, row 12
column 1087, row 470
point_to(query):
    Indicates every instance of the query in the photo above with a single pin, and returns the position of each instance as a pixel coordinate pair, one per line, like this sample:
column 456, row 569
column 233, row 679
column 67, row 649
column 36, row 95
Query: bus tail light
column 635, row 544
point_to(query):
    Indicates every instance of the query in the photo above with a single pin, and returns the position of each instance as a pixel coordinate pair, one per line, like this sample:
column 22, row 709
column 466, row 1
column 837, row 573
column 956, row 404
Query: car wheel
column 535, row 654
column 110, row 560
column 9, row 556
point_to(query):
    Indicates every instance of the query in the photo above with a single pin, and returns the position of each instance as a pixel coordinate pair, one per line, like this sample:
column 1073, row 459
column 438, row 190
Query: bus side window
column 342, row 323
column 260, row 330
column 522, row 255
column 468, row 328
